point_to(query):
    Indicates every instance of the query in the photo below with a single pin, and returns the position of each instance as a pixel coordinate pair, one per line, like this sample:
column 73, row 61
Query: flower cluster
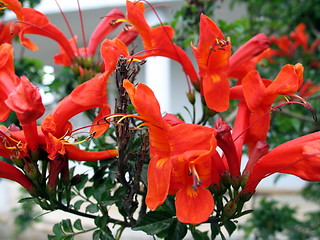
column 199, row 163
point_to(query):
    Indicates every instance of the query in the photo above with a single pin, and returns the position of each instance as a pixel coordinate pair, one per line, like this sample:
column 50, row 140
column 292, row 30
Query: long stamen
column 219, row 42
column 66, row 142
column 82, row 29
column 68, row 26
column 195, row 177
column 167, row 35
column 305, row 104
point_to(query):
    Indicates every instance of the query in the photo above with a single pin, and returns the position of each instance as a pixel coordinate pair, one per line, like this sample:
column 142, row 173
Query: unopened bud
column 191, row 96
column 246, row 196
column 236, row 182
column 75, row 180
column 244, row 179
column 229, row 209
column 31, row 171
column 226, row 179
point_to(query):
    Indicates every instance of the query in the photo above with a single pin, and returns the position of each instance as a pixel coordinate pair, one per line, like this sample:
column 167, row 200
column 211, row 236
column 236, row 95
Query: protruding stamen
column 195, row 177
column 220, row 44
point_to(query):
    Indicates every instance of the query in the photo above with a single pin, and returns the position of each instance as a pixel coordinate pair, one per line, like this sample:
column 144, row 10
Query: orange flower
column 180, row 158
column 212, row 55
column 31, row 21
column 8, row 80
column 158, row 40
column 260, row 93
column 299, row 157
column 248, row 55
column 12, row 173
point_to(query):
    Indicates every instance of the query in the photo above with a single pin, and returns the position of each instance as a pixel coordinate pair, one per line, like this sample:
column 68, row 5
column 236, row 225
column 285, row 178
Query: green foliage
column 32, row 68
column 281, row 16
column 66, row 230
column 269, row 219
column 186, row 20
column 25, row 215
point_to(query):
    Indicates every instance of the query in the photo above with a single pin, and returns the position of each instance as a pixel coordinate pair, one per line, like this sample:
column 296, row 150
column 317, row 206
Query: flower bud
column 244, row 179
column 236, row 182
column 229, row 209
column 191, row 96
column 226, row 179
column 31, row 171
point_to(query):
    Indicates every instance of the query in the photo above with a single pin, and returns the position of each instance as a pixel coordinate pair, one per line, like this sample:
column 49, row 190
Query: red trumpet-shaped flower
column 158, row 40
column 248, row 55
column 212, row 54
column 31, row 21
column 299, row 157
column 180, row 159
column 260, row 94
column 8, row 79
column 12, row 173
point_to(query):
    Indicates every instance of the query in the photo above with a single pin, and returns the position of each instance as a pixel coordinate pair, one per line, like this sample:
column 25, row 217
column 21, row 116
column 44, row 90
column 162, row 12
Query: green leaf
column 109, row 201
column 67, row 226
column 168, row 206
column 81, row 184
column 78, row 225
column 69, row 237
column 96, row 235
column 57, row 230
column 53, row 237
column 100, row 193
column 243, row 213
column 88, row 191
column 230, row 227
column 101, row 222
column 106, row 234
column 102, row 235
column 92, row 208
column 198, row 235
column 27, row 199
column 215, row 230
column 154, row 222
column 77, row 204
column 177, row 230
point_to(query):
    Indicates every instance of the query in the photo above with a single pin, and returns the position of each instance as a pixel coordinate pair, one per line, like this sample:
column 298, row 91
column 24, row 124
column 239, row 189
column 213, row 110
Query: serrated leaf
column 92, row 208
column 230, row 227
column 67, row 226
column 77, row 204
column 154, row 222
column 78, row 225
